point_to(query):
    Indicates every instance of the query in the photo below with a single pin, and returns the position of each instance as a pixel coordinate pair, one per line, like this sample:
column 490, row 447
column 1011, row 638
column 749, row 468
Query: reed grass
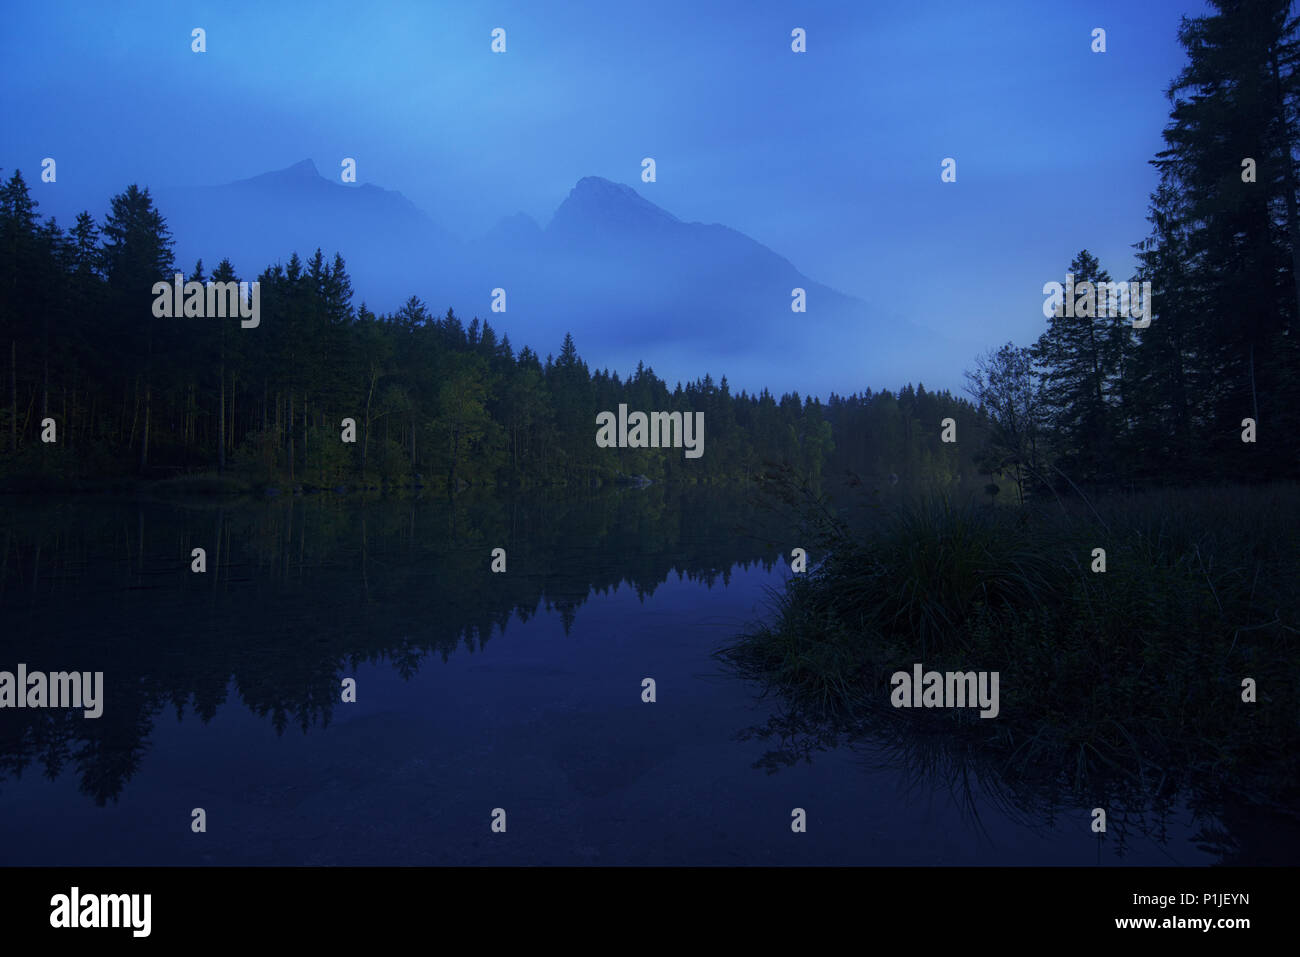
column 1134, row 674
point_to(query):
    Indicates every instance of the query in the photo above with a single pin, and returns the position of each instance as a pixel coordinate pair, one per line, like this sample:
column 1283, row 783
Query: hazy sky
column 831, row 158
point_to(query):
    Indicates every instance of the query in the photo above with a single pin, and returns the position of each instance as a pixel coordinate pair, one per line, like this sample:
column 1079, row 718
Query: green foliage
column 1079, row 358
column 892, row 441
column 435, row 401
column 1132, row 673
column 1106, row 405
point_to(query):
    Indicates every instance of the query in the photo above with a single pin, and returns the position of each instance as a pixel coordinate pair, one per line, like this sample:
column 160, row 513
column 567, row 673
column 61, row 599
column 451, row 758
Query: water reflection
column 299, row 592
column 926, row 760
column 302, row 592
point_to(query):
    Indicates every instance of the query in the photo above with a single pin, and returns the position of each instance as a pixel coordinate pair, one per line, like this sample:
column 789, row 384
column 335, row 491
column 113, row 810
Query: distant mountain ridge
column 630, row 280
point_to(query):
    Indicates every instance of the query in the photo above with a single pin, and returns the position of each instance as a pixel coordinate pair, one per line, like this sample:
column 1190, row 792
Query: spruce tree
column 1077, row 362
column 1231, row 150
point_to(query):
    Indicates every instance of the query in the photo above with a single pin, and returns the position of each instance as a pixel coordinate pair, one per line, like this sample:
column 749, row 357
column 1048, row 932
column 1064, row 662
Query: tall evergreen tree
column 19, row 253
column 1231, row 150
column 137, row 254
column 1077, row 362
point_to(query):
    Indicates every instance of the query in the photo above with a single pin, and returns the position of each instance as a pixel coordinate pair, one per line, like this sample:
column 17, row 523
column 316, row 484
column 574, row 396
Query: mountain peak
column 604, row 190
column 303, row 168
column 598, row 202
column 303, row 172
column 514, row 232
column 600, row 183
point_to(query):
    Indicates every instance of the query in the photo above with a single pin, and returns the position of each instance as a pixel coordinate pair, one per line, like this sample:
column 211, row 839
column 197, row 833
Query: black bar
column 871, row 905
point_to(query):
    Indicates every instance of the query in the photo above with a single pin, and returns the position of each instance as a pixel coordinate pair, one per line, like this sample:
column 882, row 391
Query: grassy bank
column 1131, row 674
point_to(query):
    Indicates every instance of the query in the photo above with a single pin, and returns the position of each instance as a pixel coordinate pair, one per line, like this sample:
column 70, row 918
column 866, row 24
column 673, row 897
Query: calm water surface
column 475, row 691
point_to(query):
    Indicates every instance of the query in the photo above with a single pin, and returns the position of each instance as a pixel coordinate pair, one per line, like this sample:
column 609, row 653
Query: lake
column 475, row 691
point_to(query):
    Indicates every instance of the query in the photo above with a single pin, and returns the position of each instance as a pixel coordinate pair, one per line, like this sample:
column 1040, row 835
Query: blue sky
column 831, row 158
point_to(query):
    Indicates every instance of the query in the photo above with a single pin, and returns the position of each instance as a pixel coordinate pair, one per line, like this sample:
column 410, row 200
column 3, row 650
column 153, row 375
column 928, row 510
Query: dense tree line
column 434, row 400
column 1094, row 402
column 899, row 437
column 1097, row 402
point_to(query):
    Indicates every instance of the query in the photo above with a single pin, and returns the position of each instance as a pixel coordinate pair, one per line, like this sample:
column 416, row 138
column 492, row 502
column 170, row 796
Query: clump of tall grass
column 1135, row 672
